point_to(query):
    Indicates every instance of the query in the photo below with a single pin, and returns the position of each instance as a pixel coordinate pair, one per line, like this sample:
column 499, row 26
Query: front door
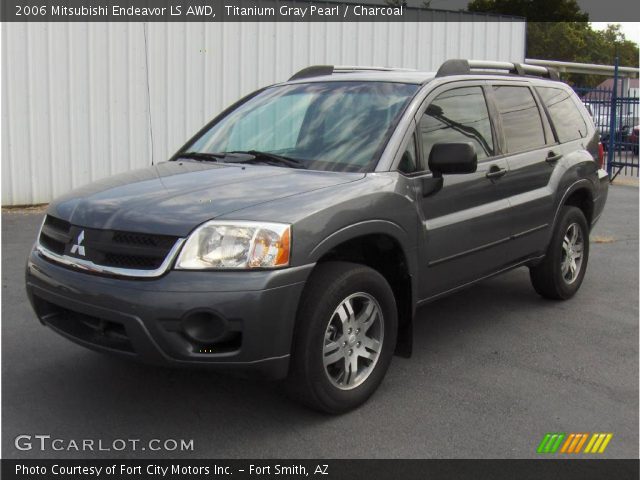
column 464, row 233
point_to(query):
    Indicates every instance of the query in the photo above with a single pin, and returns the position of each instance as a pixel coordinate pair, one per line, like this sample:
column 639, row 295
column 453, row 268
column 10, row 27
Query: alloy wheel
column 353, row 341
column 572, row 253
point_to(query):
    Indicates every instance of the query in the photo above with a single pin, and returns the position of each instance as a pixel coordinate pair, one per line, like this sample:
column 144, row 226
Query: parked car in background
column 633, row 138
column 624, row 128
column 296, row 234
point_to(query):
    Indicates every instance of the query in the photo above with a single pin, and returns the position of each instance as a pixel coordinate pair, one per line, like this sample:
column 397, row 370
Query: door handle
column 552, row 157
column 495, row 172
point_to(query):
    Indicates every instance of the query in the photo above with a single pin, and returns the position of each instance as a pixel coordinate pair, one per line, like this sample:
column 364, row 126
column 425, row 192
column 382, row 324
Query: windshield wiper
column 203, row 156
column 267, row 157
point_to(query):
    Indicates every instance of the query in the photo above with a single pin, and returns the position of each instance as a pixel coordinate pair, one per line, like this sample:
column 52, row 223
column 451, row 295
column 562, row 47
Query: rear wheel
column 560, row 274
column 345, row 337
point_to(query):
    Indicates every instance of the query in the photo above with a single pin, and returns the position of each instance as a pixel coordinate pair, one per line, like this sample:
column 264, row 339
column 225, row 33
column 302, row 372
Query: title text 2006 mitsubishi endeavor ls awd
column 295, row 235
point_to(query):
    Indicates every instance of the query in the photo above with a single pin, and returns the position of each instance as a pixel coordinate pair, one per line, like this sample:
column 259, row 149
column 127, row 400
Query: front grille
column 107, row 248
column 55, row 234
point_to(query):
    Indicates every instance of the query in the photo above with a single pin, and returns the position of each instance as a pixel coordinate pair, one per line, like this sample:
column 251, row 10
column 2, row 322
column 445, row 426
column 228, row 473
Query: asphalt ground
column 495, row 367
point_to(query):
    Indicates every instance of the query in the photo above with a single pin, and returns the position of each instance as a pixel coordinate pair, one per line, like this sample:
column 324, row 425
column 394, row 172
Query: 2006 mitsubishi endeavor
column 295, row 235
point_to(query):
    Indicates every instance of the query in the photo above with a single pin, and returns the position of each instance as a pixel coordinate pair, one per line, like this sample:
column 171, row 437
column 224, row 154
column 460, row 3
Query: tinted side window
column 564, row 113
column 458, row 115
column 521, row 120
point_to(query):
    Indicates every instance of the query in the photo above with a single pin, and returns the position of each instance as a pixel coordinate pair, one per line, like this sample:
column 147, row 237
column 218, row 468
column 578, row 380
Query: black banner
column 224, row 11
column 265, row 10
column 585, row 469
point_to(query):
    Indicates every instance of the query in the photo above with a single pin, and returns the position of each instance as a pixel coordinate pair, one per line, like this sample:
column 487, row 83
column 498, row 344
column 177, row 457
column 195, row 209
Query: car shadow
column 81, row 393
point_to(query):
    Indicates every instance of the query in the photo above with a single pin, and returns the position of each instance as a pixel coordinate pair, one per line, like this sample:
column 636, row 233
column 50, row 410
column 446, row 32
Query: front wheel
column 345, row 337
column 560, row 274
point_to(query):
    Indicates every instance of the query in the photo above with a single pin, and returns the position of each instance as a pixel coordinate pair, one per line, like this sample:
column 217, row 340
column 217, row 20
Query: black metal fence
column 615, row 113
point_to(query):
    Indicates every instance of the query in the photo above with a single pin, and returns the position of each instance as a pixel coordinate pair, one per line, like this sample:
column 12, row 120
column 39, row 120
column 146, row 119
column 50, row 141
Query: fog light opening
column 204, row 327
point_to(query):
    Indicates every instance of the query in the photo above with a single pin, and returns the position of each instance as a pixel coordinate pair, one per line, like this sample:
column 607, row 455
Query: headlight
column 236, row 245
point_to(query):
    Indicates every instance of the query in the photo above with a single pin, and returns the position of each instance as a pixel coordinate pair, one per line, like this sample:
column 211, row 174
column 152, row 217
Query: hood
column 172, row 198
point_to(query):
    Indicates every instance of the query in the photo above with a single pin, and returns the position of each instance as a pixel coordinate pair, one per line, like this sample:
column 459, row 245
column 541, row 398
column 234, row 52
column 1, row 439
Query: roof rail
column 320, row 70
column 465, row 67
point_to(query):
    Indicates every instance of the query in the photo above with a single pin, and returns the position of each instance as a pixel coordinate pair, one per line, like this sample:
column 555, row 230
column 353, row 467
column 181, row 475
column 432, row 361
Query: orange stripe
column 577, row 442
column 567, row 442
column 584, row 439
column 574, row 443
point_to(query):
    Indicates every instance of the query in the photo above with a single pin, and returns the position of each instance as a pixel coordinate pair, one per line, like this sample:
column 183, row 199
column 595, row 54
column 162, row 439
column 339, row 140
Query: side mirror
column 431, row 185
column 451, row 158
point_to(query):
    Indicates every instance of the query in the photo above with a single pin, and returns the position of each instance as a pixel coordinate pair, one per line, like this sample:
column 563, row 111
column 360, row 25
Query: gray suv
column 294, row 236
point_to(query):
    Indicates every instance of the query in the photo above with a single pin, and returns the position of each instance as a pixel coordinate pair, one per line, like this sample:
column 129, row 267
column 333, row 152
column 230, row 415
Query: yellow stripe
column 607, row 439
column 591, row 442
column 567, row 442
column 584, row 439
column 596, row 445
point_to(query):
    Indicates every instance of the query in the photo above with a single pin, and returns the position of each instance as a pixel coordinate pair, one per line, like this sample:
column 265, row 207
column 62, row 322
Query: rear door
column 532, row 154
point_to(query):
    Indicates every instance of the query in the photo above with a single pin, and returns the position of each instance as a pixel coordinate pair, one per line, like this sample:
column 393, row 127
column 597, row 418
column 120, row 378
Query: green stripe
column 557, row 444
column 547, row 447
column 543, row 443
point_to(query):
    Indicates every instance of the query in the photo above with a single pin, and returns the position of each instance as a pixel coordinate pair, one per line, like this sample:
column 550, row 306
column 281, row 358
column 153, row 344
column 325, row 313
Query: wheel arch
column 579, row 194
column 385, row 247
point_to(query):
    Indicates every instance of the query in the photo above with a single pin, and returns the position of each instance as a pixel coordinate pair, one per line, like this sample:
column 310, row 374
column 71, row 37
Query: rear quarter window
column 564, row 113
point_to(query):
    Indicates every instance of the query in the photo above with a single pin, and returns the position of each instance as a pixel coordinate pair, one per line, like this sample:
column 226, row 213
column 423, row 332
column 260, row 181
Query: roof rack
column 449, row 67
column 465, row 67
column 321, row 70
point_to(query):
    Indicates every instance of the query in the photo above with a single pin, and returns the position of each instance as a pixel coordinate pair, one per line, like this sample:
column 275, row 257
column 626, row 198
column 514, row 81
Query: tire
column 322, row 335
column 557, row 277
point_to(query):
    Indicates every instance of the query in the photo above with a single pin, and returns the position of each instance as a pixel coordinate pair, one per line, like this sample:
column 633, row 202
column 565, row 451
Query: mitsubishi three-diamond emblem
column 77, row 247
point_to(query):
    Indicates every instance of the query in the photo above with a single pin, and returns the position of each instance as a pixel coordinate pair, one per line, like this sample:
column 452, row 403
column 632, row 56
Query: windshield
column 337, row 126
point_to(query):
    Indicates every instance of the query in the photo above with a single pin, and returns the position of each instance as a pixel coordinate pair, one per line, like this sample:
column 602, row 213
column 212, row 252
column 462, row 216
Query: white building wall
column 81, row 101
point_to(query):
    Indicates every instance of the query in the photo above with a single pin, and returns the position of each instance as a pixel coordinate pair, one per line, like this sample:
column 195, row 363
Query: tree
column 533, row 10
column 558, row 30
column 578, row 42
column 403, row 3
column 396, row 3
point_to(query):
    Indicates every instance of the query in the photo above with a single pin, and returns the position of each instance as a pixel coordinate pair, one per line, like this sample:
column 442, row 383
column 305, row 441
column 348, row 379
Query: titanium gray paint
column 472, row 228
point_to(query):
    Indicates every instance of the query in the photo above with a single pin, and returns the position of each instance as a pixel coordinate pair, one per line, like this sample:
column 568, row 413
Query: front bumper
column 143, row 319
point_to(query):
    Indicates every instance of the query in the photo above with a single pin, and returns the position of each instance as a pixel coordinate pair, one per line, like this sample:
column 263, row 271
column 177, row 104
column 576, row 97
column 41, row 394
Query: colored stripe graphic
column 544, row 441
column 605, row 443
column 550, row 442
column 598, row 442
column 581, row 442
column 557, row 443
column 573, row 442
column 565, row 447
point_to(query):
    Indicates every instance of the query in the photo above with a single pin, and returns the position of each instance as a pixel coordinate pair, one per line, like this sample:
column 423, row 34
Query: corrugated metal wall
column 81, row 101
